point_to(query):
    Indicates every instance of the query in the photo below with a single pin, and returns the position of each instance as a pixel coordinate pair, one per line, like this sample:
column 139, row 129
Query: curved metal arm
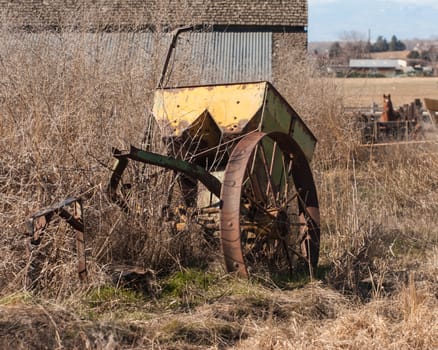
column 192, row 170
column 172, row 46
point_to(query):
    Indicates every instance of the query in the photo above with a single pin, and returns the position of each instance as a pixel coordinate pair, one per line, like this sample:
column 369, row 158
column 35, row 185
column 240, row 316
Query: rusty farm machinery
column 240, row 156
column 261, row 195
column 413, row 122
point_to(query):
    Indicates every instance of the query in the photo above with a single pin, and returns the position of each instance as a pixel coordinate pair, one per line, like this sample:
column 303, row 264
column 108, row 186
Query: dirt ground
column 361, row 92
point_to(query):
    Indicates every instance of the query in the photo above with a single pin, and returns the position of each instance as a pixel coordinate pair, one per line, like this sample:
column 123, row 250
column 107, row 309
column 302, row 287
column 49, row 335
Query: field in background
column 361, row 92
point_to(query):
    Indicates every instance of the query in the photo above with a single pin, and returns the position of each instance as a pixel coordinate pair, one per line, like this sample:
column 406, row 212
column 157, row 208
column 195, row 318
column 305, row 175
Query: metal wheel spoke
column 289, row 258
column 256, row 187
column 268, row 172
column 260, row 222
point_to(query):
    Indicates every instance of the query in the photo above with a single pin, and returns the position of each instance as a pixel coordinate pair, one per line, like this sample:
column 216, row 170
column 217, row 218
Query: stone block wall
column 44, row 13
column 288, row 49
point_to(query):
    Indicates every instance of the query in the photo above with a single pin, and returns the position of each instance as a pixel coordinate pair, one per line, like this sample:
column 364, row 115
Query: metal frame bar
column 38, row 223
column 192, row 170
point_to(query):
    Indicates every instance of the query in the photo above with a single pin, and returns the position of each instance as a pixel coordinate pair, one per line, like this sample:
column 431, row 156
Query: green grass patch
column 104, row 294
column 16, row 298
column 181, row 282
column 186, row 288
column 106, row 299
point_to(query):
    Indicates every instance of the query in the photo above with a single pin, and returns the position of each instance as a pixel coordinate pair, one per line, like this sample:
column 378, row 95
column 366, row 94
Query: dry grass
column 61, row 110
column 362, row 92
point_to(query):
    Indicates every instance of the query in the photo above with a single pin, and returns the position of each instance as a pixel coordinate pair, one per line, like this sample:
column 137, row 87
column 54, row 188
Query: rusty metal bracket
column 71, row 211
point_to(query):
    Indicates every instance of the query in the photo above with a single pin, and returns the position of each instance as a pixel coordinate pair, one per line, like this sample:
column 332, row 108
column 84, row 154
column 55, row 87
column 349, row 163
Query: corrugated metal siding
column 118, row 48
column 208, row 58
column 230, row 57
column 112, row 48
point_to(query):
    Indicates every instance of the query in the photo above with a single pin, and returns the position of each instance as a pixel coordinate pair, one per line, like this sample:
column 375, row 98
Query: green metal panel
column 278, row 115
column 300, row 134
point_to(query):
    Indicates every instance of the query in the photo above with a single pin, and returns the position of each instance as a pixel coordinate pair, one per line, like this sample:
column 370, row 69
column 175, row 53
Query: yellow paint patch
column 231, row 105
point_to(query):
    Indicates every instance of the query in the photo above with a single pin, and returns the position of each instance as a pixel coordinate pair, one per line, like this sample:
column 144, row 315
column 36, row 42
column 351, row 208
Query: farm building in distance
column 385, row 67
column 369, row 67
column 241, row 40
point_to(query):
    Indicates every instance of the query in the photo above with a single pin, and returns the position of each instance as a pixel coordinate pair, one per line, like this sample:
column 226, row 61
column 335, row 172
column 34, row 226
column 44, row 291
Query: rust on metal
column 220, row 127
column 408, row 123
column 119, row 167
column 72, row 212
column 232, row 196
column 231, row 106
column 136, row 154
column 213, row 113
column 172, row 46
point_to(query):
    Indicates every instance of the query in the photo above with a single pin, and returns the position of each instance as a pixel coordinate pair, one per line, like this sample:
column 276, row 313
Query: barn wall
column 288, row 50
column 265, row 36
column 42, row 13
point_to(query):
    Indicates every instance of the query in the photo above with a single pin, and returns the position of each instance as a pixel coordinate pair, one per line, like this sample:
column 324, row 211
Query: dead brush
column 66, row 99
column 358, row 271
column 376, row 203
column 371, row 227
column 319, row 101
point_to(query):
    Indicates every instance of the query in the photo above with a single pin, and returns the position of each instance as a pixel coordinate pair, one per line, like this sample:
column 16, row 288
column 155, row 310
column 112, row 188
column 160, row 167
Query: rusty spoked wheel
column 269, row 218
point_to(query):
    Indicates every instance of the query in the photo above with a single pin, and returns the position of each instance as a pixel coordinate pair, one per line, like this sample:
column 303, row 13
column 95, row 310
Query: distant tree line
column 355, row 46
column 361, row 48
column 381, row 45
column 429, row 55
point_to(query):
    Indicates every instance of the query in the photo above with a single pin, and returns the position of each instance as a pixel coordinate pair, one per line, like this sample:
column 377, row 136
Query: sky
column 335, row 20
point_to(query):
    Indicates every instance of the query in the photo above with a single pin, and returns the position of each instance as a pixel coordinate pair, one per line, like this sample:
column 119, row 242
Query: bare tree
column 355, row 45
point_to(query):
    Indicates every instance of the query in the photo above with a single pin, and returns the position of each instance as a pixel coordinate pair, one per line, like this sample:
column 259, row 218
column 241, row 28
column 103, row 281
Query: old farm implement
column 71, row 211
column 238, row 155
column 250, row 151
column 409, row 123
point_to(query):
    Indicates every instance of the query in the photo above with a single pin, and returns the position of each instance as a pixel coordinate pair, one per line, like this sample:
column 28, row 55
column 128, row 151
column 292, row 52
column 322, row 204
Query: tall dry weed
column 377, row 204
column 66, row 98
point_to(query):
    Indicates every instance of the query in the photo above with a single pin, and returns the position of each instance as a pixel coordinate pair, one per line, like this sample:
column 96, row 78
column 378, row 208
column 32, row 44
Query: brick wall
column 43, row 13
